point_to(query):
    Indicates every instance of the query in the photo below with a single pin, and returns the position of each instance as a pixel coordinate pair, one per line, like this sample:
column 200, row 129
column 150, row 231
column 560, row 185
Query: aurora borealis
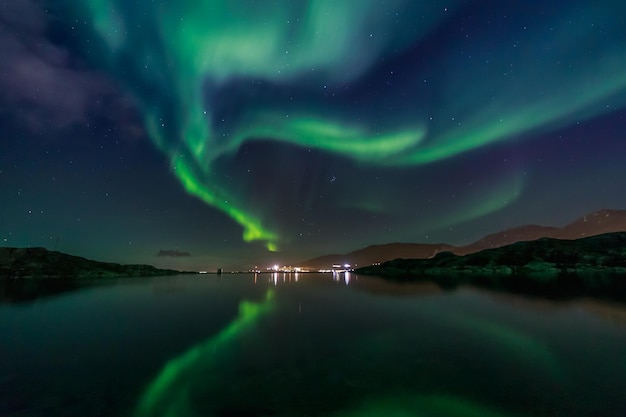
column 167, row 395
column 229, row 127
column 205, row 369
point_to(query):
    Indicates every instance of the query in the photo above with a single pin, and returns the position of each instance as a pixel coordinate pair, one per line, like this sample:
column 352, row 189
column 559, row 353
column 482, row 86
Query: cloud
column 43, row 83
column 173, row 253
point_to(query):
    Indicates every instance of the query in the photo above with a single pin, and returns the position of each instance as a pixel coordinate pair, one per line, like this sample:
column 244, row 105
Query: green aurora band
column 181, row 58
column 171, row 393
column 167, row 395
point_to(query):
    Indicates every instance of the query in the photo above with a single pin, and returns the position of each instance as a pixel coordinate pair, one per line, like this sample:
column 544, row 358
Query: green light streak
column 166, row 396
column 168, row 52
column 502, row 194
column 575, row 75
column 195, row 184
column 175, row 56
column 519, row 345
column 252, row 230
column 171, row 393
column 493, row 124
column 222, row 39
column 351, row 141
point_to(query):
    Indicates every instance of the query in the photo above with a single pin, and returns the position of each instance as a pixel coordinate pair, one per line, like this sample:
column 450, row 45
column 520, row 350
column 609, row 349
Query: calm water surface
column 318, row 345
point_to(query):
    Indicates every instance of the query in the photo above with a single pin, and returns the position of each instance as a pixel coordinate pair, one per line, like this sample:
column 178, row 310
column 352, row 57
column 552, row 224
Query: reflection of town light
column 347, row 277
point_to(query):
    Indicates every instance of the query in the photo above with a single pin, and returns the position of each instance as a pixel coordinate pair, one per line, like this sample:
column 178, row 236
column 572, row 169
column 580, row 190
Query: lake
column 304, row 345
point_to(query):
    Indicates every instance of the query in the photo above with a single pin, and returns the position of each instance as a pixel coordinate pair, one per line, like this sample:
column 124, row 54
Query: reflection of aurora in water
column 167, row 395
column 354, row 79
column 314, row 347
column 257, row 367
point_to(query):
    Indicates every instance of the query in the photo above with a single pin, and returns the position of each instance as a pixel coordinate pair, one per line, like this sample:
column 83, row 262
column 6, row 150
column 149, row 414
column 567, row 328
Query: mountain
column 507, row 237
column 592, row 224
column 588, row 266
column 42, row 263
column 600, row 253
column 598, row 222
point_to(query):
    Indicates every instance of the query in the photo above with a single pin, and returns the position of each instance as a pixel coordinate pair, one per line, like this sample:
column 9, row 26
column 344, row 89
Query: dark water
column 240, row 346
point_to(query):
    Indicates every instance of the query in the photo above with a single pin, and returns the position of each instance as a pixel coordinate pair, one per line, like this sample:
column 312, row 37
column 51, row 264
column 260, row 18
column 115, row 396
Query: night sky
column 244, row 132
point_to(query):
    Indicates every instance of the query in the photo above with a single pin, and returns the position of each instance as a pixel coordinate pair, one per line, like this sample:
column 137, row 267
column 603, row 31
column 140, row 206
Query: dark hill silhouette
column 592, row 224
column 42, row 263
column 507, row 237
column 590, row 266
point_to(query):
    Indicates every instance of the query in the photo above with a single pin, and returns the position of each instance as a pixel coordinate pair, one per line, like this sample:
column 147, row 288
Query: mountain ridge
column 558, row 268
column 591, row 224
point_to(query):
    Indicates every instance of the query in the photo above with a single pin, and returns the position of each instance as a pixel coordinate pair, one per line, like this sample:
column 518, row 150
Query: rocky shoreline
column 594, row 266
